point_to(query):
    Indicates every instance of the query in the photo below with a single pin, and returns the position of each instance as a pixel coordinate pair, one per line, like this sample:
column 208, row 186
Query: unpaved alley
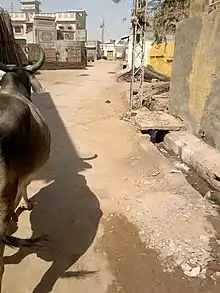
column 118, row 216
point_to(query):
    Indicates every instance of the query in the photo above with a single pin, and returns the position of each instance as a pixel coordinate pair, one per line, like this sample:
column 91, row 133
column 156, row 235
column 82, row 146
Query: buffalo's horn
column 37, row 65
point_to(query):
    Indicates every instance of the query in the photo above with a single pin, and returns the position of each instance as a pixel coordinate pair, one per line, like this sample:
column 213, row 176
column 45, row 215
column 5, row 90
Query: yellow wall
column 160, row 57
column 195, row 83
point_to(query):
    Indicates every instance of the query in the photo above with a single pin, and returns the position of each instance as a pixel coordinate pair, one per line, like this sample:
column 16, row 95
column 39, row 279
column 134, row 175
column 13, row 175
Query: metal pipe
column 134, row 28
column 213, row 3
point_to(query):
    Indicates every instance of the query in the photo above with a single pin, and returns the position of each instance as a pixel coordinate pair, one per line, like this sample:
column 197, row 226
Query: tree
column 165, row 14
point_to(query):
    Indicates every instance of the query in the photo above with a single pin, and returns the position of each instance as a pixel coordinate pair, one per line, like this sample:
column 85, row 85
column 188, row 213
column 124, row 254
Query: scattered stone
column 203, row 274
column 215, row 196
column 175, row 171
column 180, row 260
column 155, row 174
column 181, row 166
column 216, row 277
column 195, row 272
column 208, row 195
column 107, row 101
column 185, row 267
column 83, row 74
column 163, row 151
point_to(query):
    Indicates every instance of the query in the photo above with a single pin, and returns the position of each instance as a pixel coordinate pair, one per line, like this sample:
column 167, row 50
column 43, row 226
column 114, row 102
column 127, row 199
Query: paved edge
column 197, row 154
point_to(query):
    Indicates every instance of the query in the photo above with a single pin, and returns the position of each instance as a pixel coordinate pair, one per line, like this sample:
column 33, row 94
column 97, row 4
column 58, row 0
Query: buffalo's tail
column 14, row 242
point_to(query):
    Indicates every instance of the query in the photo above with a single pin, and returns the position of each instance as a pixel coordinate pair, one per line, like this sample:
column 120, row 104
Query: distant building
column 114, row 49
column 94, row 48
column 29, row 24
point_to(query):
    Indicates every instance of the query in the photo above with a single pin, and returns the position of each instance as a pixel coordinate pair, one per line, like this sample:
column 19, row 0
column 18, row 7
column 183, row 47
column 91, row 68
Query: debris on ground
column 156, row 88
column 129, row 117
column 156, row 95
column 83, row 74
column 149, row 75
column 213, row 195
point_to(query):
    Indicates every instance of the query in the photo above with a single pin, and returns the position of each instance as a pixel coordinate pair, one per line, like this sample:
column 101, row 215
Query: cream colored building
column 68, row 25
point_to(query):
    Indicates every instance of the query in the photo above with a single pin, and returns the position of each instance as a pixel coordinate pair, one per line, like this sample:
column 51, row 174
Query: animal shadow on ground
column 66, row 210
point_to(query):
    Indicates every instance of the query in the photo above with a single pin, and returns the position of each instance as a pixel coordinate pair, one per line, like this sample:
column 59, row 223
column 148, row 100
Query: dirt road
column 120, row 219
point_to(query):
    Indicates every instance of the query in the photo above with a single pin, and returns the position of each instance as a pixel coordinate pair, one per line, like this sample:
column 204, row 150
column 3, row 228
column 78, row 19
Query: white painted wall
column 30, row 37
column 109, row 47
column 65, row 19
column 137, row 50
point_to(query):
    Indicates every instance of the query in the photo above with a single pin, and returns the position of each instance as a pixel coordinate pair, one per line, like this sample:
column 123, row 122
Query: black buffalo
column 24, row 146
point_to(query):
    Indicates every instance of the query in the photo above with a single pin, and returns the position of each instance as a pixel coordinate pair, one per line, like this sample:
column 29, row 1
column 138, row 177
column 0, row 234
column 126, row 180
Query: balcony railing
column 18, row 16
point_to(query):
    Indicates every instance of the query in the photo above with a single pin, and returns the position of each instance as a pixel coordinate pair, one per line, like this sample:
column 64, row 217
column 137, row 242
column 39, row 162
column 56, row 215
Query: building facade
column 114, row 49
column 94, row 48
column 33, row 26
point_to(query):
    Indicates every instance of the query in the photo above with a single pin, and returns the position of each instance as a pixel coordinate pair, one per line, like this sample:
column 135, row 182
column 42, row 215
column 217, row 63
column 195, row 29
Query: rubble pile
column 156, row 88
column 156, row 95
column 149, row 75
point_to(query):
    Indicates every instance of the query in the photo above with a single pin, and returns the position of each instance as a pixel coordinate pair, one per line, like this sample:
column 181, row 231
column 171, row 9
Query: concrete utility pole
column 12, row 6
column 102, row 26
column 103, row 30
column 139, row 26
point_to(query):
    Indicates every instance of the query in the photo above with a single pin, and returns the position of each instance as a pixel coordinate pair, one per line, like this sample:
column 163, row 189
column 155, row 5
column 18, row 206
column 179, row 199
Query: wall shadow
column 66, row 209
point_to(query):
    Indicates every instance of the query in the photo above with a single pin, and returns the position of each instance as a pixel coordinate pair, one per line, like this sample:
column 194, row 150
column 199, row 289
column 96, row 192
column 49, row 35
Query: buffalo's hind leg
column 26, row 204
column 2, row 266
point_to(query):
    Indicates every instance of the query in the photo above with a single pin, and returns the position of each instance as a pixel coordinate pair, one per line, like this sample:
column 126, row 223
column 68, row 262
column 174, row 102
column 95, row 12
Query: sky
column 113, row 14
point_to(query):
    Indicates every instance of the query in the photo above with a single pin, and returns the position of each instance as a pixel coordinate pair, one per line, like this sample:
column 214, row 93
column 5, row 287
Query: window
column 60, row 35
column 61, row 27
column 18, row 29
column 70, row 28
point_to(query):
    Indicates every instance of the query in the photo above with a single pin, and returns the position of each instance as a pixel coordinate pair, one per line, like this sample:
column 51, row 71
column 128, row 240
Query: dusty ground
column 120, row 218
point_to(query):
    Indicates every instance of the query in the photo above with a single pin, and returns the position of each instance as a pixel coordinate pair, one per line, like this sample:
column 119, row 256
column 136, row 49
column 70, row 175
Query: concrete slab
column 146, row 120
column 197, row 154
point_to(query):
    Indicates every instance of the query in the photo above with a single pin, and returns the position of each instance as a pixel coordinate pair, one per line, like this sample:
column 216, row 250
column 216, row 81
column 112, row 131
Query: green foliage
column 166, row 15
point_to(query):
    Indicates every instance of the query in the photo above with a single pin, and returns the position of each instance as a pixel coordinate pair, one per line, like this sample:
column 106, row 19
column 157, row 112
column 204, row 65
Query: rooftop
column 30, row 1
column 46, row 17
column 77, row 10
